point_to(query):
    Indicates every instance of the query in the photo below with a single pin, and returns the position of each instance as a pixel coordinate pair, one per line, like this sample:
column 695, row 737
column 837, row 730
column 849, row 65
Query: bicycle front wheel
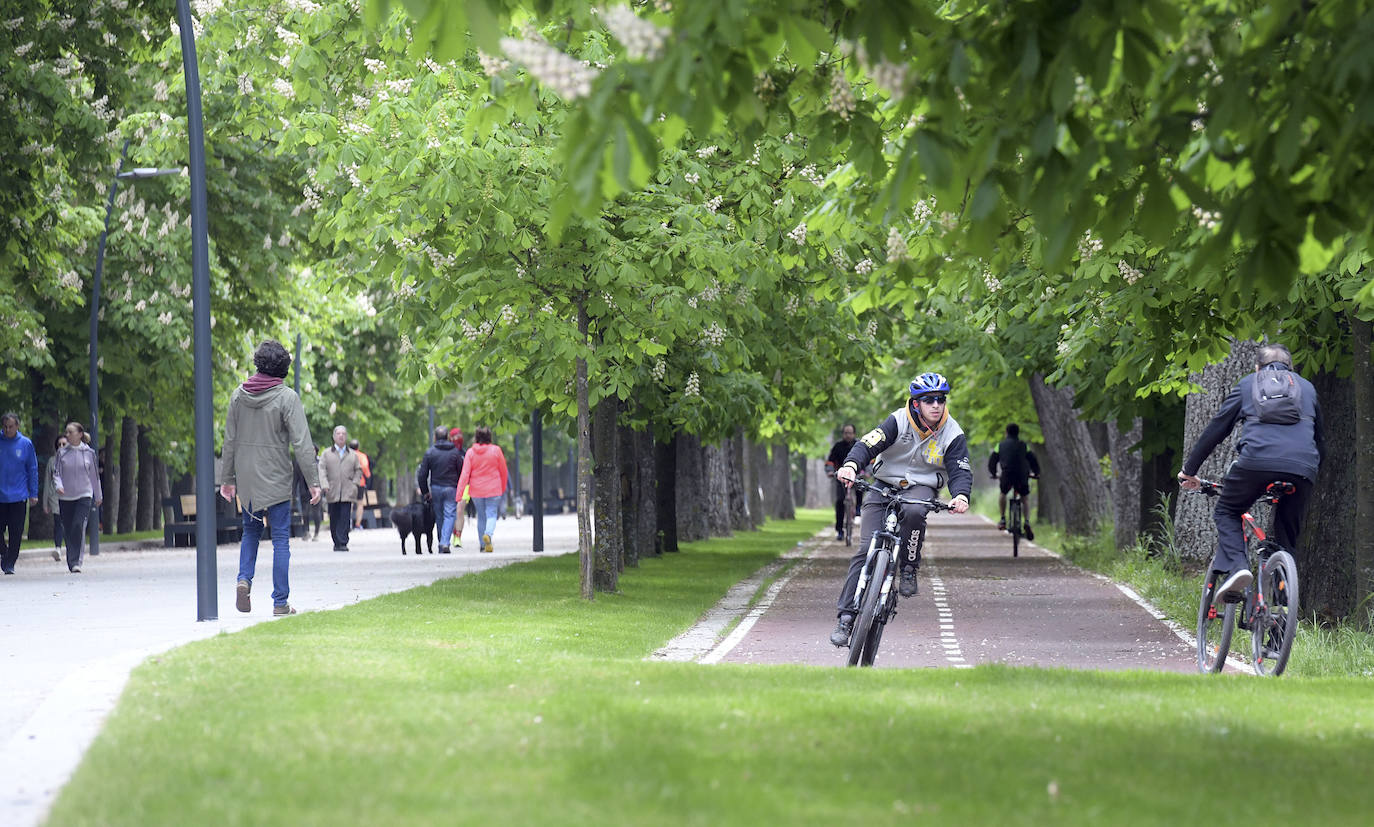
column 859, row 641
column 1275, row 627
column 1215, row 625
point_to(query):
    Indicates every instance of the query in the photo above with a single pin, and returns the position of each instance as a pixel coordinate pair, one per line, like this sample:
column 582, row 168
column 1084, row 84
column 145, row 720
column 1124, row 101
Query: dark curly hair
column 272, row 359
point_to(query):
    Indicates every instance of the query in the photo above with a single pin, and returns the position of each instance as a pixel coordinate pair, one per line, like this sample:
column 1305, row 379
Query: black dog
column 417, row 519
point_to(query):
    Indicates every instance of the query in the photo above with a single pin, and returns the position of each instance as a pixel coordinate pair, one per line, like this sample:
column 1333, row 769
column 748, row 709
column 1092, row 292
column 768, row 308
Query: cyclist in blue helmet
column 921, row 449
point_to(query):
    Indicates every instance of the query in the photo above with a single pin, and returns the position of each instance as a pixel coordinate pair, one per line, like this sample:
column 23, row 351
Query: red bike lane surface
column 977, row 604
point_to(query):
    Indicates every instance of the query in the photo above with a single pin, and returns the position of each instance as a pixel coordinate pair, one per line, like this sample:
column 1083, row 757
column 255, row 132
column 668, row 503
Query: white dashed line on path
column 949, row 641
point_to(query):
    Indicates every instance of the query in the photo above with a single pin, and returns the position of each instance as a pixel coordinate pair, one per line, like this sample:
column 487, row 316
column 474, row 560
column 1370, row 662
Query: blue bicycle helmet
column 929, row 383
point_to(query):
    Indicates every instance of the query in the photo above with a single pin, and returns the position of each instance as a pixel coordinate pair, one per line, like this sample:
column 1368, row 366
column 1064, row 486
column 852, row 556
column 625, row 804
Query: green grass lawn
column 503, row 699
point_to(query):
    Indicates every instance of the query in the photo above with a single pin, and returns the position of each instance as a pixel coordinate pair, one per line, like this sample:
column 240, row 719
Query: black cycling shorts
column 1022, row 486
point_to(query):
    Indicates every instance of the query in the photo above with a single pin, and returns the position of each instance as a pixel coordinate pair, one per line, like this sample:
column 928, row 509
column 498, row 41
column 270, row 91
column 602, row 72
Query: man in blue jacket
column 1281, row 439
column 437, row 479
column 18, row 488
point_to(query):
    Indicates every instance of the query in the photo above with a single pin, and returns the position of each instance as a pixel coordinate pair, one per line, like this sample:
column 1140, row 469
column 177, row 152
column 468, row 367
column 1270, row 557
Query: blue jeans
column 278, row 519
column 445, row 510
column 486, row 514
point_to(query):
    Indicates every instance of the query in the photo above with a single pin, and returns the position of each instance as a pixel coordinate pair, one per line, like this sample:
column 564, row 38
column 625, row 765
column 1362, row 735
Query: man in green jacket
column 264, row 425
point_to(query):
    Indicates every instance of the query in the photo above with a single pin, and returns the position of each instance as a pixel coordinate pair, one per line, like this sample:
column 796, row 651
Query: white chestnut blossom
column 693, row 385
column 798, row 234
column 923, row 209
column 890, row 77
column 569, row 78
column 713, row 336
column 659, row 370
column 707, row 151
column 864, row 267
column 1206, row 219
column 1088, row 246
column 896, row 245
column 691, row 177
column 841, row 96
column 491, row 64
column 991, row 281
column 642, row 40
column 1129, row 273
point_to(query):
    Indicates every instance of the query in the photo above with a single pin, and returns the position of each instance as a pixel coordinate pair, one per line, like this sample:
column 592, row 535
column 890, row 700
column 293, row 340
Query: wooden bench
column 179, row 529
column 376, row 514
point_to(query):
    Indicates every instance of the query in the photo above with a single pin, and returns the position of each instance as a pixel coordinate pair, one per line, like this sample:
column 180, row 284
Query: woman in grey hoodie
column 77, row 480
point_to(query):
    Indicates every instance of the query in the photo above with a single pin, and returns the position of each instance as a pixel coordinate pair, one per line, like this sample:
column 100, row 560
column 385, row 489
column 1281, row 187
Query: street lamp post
column 120, row 175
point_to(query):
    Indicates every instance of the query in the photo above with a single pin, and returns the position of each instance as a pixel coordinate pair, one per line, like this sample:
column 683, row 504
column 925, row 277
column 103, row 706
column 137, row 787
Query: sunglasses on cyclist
column 932, row 400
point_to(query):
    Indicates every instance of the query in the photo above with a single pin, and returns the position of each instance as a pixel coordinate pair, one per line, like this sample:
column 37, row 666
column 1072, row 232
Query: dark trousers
column 839, row 505
column 340, row 521
column 58, row 532
column 12, row 516
column 1239, row 491
column 75, row 514
column 910, row 535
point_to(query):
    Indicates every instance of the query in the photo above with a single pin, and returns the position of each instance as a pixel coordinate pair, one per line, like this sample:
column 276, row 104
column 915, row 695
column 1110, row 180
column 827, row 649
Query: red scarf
column 259, row 382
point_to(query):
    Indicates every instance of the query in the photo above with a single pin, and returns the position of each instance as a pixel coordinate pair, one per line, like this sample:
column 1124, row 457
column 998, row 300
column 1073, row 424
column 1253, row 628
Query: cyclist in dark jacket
column 1269, row 451
column 437, row 479
column 1018, row 466
column 918, row 448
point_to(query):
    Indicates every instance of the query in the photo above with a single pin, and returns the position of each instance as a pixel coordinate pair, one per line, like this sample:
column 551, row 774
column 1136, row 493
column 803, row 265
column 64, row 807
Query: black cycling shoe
column 1030, row 535
column 845, row 626
column 908, row 585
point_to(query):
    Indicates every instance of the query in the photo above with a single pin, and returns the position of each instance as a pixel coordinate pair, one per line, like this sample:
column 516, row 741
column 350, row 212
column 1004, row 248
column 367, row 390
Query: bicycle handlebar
column 890, row 493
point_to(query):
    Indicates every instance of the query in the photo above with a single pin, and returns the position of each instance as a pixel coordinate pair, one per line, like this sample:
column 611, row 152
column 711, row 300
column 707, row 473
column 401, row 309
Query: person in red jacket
column 484, row 477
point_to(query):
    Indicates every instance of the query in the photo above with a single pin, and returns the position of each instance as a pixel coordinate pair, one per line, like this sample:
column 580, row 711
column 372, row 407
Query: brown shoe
column 242, row 601
column 486, row 544
column 283, row 609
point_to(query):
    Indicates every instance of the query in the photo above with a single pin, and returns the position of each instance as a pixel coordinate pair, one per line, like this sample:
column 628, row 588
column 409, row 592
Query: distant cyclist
column 1018, row 466
column 838, row 453
column 919, row 449
column 1281, row 439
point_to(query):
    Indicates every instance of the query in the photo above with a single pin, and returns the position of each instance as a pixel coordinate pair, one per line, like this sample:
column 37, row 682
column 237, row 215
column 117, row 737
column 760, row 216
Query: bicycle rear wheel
column 1275, row 628
column 1215, row 625
column 868, row 611
column 1015, row 526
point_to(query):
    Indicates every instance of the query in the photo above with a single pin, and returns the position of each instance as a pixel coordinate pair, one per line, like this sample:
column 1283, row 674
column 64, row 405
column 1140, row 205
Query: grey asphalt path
column 977, row 604
column 68, row 641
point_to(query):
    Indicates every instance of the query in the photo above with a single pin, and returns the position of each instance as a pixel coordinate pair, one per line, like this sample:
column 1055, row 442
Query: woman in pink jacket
column 484, row 471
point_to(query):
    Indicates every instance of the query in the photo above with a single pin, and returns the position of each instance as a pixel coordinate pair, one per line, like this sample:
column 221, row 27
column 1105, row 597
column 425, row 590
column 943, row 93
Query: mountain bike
column 876, row 594
column 1015, row 519
column 1268, row 609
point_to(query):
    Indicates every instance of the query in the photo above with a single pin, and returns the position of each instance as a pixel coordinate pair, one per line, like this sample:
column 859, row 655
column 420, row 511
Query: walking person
column 838, row 453
column 366, row 465
column 312, row 513
column 264, row 425
column 50, row 504
column 484, row 476
column 437, row 479
column 18, row 488
column 340, row 474
column 77, row 480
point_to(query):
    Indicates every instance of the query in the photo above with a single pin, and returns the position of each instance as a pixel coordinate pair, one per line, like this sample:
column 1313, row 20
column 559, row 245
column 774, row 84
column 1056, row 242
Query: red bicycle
column 1268, row 609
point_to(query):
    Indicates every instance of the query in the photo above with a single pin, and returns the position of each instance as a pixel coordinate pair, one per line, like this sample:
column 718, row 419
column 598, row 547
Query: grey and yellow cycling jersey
column 906, row 454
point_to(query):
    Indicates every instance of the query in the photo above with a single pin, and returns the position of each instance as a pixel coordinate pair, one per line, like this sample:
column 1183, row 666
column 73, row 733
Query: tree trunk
column 691, row 489
column 584, row 467
column 1326, row 549
column 1126, row 482
column 1195, row 532
column 645, row 499
column 1163, row 434
column 1049, row 508
column 627, row 455
column 1362, row 386
column 718, row 521
column 739, row 484
column 128, row 470
column 606, row 471
column 147, row 482
column 109, row 486
column 755, row 460
column 779, row 487
column 1078, row 475
column 665, row 494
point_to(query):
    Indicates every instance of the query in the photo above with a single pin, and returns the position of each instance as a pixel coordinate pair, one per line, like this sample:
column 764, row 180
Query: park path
column 69, row 641
column 977, row 604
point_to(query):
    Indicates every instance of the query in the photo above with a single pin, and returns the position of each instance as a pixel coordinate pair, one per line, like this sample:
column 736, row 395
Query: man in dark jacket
column 1281, row 439
column 838, row 453
column 437, row 479
column 1018, row 466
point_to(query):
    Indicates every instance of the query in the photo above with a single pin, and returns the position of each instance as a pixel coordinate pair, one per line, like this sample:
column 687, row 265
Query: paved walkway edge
column 702, row 642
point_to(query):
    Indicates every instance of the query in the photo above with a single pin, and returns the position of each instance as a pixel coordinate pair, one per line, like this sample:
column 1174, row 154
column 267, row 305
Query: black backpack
column 1277, row 395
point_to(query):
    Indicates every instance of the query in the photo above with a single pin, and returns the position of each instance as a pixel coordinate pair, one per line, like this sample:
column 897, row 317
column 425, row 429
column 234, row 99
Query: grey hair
column 1270, row 353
